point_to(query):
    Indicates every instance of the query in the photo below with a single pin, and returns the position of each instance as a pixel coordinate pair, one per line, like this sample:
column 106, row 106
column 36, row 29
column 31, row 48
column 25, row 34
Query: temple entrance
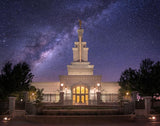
column 80, row 95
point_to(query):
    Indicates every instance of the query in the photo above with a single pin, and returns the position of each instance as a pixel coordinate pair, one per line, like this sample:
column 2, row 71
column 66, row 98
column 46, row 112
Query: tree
column 145, row 80
column 39, row 96
column 15, row 78
column 6, row 75
column 22, row 76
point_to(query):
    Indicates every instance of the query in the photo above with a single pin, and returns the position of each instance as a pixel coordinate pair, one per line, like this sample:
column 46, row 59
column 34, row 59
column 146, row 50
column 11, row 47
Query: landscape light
column 153, row 117
column 5, row 118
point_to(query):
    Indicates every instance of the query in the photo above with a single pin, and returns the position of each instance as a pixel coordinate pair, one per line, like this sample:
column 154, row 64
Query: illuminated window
column 78, row 99
column 78, row 90
column 86, row 90
column 82, row 90
column 74, row 98
column 74, row 90
column 86, row 99
column 82, row 98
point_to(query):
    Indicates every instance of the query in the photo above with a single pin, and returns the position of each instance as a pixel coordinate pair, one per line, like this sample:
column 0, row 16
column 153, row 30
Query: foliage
column 121, row 94
column 14, row 78
column 32, row 88
column 35, row 94
column 39, row 95
column 145, row 80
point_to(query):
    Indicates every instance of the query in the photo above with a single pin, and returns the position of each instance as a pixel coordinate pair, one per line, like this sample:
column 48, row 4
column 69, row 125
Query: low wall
column 79, row 119
column 30, row 108
column 19, row 113
column 140, row 112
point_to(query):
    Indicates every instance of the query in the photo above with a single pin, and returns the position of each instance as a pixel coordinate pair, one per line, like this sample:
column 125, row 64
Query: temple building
column 80, row 86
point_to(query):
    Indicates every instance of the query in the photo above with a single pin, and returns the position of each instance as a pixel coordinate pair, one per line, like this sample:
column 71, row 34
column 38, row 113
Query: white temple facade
column 80, row 86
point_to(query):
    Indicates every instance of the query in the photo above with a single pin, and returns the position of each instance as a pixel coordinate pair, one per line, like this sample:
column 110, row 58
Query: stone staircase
column 49, row 109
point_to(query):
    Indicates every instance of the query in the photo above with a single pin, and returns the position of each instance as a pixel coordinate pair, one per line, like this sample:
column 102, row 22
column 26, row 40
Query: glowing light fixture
column 153, row 117
column 98, row 84
column 127, row 93
column 5, row 118
column 62, row 84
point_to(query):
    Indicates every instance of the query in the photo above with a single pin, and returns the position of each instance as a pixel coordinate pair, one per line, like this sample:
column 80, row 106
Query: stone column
column 98, row 97
column 147, row 100
column 12, row 106
column 61, row 97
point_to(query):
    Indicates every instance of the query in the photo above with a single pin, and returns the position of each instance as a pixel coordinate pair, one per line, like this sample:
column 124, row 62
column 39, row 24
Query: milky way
column 119, row 34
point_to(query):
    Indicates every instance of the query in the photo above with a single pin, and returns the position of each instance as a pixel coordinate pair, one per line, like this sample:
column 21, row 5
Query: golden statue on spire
column 80, row 23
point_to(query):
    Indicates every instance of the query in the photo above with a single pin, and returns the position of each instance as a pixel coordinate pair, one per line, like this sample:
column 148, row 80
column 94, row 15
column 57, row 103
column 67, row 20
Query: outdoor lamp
column 127, row 93
column 62, row 84
column 98, row 84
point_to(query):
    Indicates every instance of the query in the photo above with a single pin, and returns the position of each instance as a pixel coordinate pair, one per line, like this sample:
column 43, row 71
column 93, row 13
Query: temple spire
column 80, row 23
column 80, row 64
column 80, row 31
column 80, row 36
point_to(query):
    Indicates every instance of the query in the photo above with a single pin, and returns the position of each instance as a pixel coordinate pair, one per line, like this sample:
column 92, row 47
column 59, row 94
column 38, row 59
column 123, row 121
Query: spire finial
column 80, row 23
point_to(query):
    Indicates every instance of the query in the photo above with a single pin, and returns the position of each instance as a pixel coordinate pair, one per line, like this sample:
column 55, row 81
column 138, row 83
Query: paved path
column 25, row 123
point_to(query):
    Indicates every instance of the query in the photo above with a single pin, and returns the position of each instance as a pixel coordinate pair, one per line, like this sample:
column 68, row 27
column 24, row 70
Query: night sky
column 119, row 34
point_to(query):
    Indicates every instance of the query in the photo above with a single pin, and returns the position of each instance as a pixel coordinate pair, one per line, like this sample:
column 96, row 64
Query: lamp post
column 98, row 94
column 61, row 93
column 98, row 85
column 61, row 87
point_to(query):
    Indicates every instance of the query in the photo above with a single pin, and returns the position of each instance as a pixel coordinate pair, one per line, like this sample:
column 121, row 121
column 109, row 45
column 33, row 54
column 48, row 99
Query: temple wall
column 54, row 87
column 109, row 90
column 49, row 87
column 51, row 90
column 110, row 87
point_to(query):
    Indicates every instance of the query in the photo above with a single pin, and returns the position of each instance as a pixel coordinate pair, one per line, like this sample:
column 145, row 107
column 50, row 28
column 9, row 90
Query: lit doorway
column 80, row 95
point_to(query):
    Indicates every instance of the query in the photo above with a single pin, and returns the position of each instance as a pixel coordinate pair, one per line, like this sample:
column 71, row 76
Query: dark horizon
column 119, row 34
